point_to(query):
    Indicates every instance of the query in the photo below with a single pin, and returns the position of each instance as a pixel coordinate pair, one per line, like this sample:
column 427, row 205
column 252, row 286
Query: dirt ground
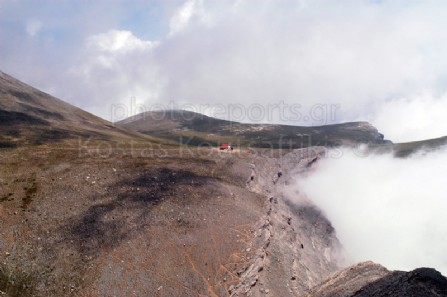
column 122, row 225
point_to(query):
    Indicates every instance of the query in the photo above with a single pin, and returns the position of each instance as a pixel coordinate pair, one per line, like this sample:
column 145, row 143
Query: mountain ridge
column 32, row 117
column 183, row 124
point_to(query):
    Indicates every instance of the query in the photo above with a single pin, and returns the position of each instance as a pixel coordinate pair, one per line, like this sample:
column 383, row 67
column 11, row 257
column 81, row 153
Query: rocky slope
column 171, row 225
column 122, row 225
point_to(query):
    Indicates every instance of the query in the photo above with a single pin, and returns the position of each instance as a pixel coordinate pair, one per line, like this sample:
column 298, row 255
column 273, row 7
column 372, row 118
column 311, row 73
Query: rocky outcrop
column 348, row 281
column 368, row 279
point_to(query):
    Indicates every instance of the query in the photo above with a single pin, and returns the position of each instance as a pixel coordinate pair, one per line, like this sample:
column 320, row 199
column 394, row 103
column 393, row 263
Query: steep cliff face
column 296, row 246
column 296, row 249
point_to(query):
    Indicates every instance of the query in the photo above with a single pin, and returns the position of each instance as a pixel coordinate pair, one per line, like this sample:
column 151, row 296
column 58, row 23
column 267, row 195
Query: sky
column 301, row 62
column 388, row 210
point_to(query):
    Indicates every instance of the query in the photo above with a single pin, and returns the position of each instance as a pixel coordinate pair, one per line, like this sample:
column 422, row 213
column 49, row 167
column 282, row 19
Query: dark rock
column 419, row 282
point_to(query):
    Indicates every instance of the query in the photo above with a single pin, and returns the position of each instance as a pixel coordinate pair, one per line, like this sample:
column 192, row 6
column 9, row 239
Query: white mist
column 389, row 210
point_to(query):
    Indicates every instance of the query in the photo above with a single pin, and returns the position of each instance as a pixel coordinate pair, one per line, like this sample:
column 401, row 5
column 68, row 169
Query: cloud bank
column 369, row 57
column 388, row 210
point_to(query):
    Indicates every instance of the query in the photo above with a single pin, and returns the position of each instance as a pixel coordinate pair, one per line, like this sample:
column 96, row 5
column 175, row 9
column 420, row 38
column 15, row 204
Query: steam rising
column 389, row 210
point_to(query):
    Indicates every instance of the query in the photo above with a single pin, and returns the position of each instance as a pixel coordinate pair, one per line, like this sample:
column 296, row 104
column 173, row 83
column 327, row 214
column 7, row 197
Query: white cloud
column 117, row 41
column 300, row 52
column 33, row 27
column 183, row 15
column 112, row 69
column 388, row 210
column 415, row 118
column 106, row 50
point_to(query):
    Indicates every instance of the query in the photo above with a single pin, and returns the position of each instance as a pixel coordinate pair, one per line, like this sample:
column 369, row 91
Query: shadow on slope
column 106, row 224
